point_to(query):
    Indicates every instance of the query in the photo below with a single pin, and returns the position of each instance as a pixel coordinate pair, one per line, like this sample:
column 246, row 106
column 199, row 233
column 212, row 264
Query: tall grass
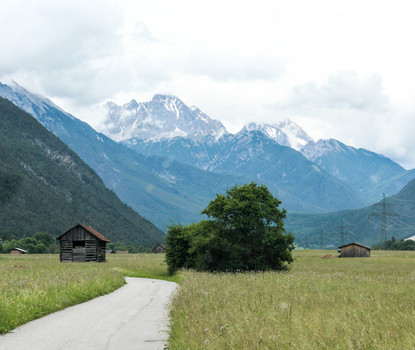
column 32, row 286
column 320, row 304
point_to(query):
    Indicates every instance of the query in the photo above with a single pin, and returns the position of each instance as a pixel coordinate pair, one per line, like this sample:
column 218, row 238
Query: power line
column 341, row 233
column 383, row 215
column 389, row 229
column 407, row 225
column 402, row 200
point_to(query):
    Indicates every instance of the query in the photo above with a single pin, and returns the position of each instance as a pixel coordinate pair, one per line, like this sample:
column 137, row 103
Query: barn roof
column 90, row 230
column 360, row 245
column 19, row 250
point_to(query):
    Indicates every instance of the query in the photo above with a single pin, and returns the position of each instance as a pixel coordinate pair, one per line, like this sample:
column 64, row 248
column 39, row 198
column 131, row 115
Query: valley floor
column 356, row 303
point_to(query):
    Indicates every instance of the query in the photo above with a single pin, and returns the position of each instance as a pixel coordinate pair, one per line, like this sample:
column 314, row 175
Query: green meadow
column 355, row 303
column 320, row 303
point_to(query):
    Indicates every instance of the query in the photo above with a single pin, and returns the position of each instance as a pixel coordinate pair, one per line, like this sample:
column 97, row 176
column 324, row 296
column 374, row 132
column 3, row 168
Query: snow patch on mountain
column 163, row 117
column 314, row 150
column 286, row 133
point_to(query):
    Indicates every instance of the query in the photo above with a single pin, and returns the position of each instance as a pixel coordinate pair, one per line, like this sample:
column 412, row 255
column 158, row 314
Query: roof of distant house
column 19, row 250
column 90, row 230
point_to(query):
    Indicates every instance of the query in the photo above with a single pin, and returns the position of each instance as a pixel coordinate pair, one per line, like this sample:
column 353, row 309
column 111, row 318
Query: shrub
column 244, row 231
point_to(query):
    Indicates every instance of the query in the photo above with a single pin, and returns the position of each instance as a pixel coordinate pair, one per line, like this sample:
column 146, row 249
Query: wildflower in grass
column 283, row 305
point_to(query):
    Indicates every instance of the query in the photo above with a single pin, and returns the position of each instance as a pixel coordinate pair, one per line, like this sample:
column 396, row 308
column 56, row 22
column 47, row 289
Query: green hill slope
column 362, row 225
column 44, row 186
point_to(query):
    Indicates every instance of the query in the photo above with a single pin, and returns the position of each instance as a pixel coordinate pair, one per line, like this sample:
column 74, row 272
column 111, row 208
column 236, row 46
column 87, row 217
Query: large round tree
column 244, row 231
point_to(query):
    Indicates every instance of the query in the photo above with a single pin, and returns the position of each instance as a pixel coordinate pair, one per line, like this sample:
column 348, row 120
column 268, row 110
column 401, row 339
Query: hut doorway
column 78, row 251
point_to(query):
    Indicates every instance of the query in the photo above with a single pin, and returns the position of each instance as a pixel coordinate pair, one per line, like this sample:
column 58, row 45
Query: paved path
column 132, row 317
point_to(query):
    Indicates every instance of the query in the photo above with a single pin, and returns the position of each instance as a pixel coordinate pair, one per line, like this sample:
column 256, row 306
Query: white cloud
column 340, row 69
column 344, row 90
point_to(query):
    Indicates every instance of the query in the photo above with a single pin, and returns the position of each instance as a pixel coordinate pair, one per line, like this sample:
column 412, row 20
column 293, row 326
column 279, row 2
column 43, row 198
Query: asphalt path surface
column 134, row 316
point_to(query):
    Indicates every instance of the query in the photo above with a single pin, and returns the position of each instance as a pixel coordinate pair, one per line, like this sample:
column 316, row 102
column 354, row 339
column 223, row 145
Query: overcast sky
column 339, row 69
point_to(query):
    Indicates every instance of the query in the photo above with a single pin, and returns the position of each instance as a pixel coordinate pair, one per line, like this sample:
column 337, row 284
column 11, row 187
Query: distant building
column 82, row 243
column 1, row 241
column 159, row 248
column 412, row 238
column 121, row 252
column 354, row 250
column 18, row 251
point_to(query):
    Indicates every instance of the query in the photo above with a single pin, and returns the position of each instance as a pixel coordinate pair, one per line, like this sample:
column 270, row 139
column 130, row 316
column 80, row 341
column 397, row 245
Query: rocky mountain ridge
column 163, row 117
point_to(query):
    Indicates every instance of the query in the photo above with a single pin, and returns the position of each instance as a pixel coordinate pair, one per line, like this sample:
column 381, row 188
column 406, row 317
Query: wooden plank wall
column 354, row 251
column 102, row 249
column 66, row 250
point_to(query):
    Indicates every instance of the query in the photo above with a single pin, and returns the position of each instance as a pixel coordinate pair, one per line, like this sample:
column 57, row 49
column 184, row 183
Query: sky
column 339, row 69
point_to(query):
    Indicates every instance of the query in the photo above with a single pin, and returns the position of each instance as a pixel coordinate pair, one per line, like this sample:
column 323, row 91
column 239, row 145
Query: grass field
column 32, row 286
column 352, row 303
column 319, row 304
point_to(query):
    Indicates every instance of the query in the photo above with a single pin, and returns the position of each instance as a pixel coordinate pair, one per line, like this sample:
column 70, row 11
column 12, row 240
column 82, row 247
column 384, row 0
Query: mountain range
column 160, row 189
column 167, row 160
column 368, row 173
column 46, row 187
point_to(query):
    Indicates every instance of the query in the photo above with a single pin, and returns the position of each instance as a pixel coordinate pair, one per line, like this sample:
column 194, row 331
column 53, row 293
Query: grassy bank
column 319, row 304
column 32, row 286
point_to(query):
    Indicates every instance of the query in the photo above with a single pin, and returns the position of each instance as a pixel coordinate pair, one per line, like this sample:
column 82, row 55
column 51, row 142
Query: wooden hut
column 354, row 250
column 82, row 243
column 18, row 251
column 159, row 248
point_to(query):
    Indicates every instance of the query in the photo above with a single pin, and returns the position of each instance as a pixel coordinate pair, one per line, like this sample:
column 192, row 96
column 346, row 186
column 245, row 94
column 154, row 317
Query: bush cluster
column 393, row 244
column 244, row 231
column 40, row 243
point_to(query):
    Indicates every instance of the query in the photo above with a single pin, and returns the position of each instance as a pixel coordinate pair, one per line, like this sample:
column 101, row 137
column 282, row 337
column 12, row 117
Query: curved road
column 134, row 316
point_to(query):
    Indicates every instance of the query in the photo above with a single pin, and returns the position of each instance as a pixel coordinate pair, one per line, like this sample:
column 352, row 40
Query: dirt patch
column 20, row 267
column 328, row 256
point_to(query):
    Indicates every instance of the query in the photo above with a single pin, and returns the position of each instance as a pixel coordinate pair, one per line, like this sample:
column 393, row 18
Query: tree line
column 40, row 243
column 394, row 244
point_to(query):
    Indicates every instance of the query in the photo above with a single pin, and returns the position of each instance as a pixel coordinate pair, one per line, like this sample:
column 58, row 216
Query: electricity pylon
column 384, row 214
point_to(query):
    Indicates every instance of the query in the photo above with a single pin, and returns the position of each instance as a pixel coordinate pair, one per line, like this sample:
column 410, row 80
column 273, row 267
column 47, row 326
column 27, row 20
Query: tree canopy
column 244, row 231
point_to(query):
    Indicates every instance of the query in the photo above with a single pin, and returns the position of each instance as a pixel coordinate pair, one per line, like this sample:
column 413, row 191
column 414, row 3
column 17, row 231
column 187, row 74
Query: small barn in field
column 82, row 243
column 159, row 248
column 18, row 251
column 354, row 250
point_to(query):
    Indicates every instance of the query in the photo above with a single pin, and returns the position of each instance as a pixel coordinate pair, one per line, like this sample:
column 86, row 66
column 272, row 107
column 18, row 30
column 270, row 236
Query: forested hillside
column 362, row 225
column 46, row 187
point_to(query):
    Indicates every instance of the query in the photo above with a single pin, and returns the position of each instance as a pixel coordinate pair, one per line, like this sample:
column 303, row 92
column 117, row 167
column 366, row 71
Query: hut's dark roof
column 159, row 245
column 360, row 245
column 90, row 230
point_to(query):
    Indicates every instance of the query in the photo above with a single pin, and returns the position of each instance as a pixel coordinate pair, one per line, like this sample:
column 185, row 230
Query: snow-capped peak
column 286, row 133
column 165, row 116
